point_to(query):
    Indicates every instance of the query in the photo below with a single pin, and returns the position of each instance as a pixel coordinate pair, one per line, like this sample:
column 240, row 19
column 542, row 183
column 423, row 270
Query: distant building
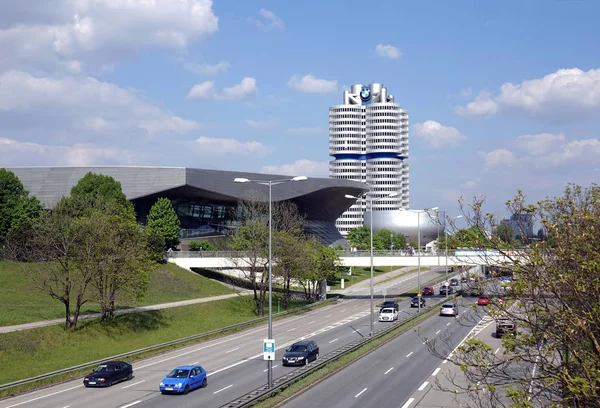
column 521, row 225
column 368, row 140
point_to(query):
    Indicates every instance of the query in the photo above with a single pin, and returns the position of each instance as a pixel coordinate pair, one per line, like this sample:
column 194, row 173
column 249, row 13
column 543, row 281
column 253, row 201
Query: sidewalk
column 26, row 326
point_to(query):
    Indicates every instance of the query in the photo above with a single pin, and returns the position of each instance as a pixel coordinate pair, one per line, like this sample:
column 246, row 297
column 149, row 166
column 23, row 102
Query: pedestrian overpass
column 237, row 259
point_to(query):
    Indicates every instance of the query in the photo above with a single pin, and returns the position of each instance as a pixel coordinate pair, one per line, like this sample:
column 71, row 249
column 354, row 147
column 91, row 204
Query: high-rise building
column 368, row 139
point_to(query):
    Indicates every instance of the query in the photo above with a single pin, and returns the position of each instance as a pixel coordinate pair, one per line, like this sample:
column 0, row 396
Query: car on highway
column 109, row 373
column 183, row 379
column 414, row 302
column 453, row 282
column 504, row 326
column 483, row 300
column 389, row 314
column 428, row 291
column 300, row 353
column 446, row 290
column 389, row 303
column 449, row 309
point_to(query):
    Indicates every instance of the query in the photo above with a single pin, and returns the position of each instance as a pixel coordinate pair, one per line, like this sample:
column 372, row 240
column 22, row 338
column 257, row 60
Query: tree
column 202, row 246
column 162, row 219
column 360, row 237
column 505, row 234
column 96, row 189
column 55, row 241
column 554, row 304
column 16, row 206
column 384, row 238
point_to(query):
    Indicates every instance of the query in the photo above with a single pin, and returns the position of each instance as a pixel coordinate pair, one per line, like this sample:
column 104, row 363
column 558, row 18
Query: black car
column 446, row 290
column 300, row 353
column 453, row 282
column 109, row 373
column 504, row 326
column 389, row 304
column 415, row 302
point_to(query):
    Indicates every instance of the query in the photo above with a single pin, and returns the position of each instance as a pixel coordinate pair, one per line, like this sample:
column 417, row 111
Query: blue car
column 182, row 380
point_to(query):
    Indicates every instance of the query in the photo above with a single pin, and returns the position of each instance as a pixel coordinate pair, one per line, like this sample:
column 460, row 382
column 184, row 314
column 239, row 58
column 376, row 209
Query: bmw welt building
column 206, row 201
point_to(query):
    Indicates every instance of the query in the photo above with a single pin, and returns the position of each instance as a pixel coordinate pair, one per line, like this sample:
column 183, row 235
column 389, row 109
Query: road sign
column 269, row 349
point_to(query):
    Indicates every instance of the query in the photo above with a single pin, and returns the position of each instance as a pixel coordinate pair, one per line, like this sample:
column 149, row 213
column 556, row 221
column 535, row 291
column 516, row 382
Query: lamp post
column 419, row 251
column 270, row 183
column 446, row 240
column 371, row 226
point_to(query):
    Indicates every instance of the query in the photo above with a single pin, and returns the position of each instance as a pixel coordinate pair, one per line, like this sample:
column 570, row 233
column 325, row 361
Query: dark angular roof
column 318, row 198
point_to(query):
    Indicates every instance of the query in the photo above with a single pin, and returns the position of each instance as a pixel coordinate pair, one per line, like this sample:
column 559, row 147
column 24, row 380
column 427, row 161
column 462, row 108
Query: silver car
column 449, row 309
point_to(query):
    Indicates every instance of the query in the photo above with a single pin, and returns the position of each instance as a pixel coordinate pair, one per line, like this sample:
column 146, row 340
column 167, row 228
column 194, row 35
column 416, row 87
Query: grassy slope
column 24, row 354
column 22, row 303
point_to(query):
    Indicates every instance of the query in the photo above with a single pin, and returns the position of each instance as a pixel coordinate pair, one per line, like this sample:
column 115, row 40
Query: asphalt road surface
column 234, row 363
column 389, row 375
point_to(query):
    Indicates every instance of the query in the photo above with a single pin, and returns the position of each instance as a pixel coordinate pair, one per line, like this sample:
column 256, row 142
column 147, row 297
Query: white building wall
column 368, row 139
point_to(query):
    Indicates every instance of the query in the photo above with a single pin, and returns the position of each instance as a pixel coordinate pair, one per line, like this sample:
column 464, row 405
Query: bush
column 202, row 246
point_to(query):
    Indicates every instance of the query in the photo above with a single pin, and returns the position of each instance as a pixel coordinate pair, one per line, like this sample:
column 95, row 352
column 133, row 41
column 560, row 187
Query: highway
column 234, row 363
column 389, row 375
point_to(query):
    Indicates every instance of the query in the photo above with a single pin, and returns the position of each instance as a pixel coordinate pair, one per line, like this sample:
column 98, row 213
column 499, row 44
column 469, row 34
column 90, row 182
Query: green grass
column 24, row 354
column 360, row 274
column 21, row 302
column 330, row 369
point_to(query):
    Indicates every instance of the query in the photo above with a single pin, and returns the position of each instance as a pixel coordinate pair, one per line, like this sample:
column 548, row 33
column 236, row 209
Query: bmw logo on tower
column 365, row 94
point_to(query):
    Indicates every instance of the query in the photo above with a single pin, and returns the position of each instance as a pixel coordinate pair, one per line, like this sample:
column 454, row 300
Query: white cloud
column 564, row 95
column 269, row 21
column 72, row 35
column 301, row 167
column 307, row 131
column 15, row 153
column 228, row 147
column 539, row 144
column 546, row 150
column 387, row 51
column 308, row 83
column 466, row 92
column 499, row 158
column 438, row 135
column 206, row 90
column 207, row 69
column 260, row 124
column 74, row 106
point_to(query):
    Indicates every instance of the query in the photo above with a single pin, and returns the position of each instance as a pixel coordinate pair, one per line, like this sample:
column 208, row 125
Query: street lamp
column 446, row 240
column 419, row 250
column 371, row 225
column 270, row 183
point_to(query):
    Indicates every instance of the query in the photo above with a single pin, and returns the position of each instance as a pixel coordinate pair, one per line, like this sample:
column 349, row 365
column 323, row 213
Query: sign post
column 269, row 349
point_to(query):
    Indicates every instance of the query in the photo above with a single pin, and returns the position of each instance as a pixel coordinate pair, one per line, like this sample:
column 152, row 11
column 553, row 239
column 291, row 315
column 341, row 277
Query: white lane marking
column 437, row 332
column 448, row 324
column 388, row 370
column 333, row 341
column 444, row 362
column 357, row 395
column 264, row 371
column 342, row 311
column 194, row 363
column 132, row 404
column 407, row 403
column 131, row 385
column 355, row 330
column 422, row 387
column 409, row 354
column 437, row 370
column 232, row 350
column 311, row 322
column 497, row 350
column 66, row 406
column 292, row 329
column 44, row 396
column 223, row 389
column 327, row 316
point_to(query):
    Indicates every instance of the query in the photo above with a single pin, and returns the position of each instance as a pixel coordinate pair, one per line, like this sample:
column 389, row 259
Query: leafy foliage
column 360, row 238
column 163, row 220
column 16, row 206
column 202, row 246
column 555, row 306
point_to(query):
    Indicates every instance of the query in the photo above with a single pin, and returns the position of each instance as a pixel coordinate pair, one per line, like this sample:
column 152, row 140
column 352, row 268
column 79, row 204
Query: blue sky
column 501, row 95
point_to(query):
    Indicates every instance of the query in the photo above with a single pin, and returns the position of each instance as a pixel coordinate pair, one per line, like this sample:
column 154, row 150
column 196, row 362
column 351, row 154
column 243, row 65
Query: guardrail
column 282, row 382
column 345, row 254
column 160, row 346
